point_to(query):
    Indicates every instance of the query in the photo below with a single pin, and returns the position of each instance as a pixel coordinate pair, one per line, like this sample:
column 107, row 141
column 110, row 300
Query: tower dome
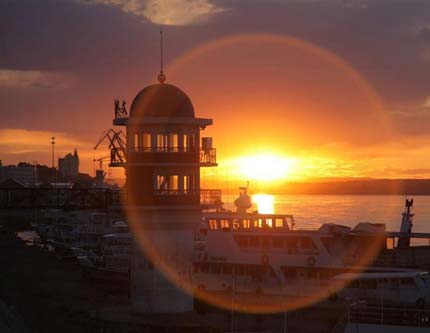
column 161, row 100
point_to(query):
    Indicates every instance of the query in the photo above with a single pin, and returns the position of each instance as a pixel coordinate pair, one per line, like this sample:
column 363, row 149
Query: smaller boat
column 113, row 262
column 389, row 288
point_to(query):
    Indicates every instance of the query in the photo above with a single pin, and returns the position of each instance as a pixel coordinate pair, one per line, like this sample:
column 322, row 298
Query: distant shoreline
column 347, row 187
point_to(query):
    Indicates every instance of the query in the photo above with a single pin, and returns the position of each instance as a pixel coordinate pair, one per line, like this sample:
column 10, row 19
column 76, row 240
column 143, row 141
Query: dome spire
column 161, row 76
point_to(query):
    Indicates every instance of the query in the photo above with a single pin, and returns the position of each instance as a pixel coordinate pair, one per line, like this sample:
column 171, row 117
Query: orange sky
column 274, row 100
column 308, row 95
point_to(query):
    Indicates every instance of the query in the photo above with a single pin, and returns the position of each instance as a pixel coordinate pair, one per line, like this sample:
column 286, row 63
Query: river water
column 310, row 211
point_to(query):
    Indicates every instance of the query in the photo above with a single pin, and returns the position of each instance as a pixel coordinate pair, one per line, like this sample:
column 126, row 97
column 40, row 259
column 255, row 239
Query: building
column 163, row 160
column 24, row 173
column 68, row 166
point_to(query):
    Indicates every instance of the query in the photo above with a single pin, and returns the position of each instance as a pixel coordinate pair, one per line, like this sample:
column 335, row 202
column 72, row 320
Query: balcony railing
column 118, row 155
column 162, row 150
column 18, row 198
column 207, row 197
column 175, row 192
column 210, row 197
column 208, row 156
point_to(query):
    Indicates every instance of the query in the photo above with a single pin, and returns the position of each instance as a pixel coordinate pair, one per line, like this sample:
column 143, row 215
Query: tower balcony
column 209, row 198
column 155, row 155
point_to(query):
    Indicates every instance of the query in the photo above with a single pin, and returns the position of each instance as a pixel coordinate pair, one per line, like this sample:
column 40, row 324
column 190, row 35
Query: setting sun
column 264, row 202
column 265, row 167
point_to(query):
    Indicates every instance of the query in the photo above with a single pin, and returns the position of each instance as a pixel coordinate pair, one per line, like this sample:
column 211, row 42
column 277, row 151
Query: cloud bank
column 166, row 12
column 12, row 78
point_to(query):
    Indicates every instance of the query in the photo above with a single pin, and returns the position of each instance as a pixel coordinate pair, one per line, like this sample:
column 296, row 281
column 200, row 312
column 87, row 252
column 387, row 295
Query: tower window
column 146, row 141
column 136, row 140
column 161, row 183
column 162, row 141
column 173, row 183
column 191, row 141
column 186, row 183
column 185, row 142
column 173, row 142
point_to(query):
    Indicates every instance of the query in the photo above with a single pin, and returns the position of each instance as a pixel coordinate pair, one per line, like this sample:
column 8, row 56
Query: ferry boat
column 254, row 258
column 392, row 288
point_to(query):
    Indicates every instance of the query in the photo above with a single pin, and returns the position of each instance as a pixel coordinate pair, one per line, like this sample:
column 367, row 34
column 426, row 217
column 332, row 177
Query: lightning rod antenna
column 161, row 75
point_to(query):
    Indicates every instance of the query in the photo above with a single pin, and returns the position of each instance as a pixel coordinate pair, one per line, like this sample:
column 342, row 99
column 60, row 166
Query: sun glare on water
column 264, row 203
column 264, row 167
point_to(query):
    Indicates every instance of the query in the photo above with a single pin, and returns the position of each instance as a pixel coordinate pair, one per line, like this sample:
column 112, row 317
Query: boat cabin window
column 292, row 242
column 289, row 273
column 324, row 274
column 239, row 269
column 307, row 243
column 246, row 223
column 242, row 241
column 394, row 283
column 254, row 242
column 407, row 282
column 278, row 243
column 227, row 268
column 236, row 224
column 204, row 267
column 258, row 223
column 265, row 242
column 215, row 268
column 225, row 224
column 213, row 224
column 312, row 274
column 279, row 223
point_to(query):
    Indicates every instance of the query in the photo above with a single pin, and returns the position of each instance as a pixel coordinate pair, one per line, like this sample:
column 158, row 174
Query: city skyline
column 271, row 79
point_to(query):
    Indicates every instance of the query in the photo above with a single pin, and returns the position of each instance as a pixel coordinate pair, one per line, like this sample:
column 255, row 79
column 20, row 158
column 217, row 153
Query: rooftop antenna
column 161, row 76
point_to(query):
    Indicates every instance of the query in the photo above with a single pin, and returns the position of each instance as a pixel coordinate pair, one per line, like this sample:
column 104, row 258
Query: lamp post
column 53, row 163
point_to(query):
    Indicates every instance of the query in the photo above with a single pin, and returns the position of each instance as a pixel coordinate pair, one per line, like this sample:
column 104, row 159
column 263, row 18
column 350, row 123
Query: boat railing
column 383, row 315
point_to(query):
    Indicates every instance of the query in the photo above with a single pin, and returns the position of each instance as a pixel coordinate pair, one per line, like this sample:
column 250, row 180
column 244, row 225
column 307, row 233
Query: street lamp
column 53, row 163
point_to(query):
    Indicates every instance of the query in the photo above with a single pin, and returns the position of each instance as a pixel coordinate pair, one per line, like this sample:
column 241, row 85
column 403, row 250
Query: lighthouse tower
column 163, row 158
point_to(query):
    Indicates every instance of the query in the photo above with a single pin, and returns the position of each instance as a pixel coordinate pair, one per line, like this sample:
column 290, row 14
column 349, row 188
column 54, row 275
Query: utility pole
column 53, row 162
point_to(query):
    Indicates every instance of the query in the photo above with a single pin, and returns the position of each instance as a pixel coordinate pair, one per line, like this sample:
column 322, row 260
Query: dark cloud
column 424, row 33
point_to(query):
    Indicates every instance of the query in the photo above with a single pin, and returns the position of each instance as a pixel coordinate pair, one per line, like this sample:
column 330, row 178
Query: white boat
column 265, row 258
column 388, row 288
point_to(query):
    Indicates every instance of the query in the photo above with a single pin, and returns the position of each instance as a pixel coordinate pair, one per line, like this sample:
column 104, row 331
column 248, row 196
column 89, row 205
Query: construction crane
column 100, row 161
column 117, row 146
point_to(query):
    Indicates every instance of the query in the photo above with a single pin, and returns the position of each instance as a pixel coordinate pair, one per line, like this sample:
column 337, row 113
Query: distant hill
column 359, row 187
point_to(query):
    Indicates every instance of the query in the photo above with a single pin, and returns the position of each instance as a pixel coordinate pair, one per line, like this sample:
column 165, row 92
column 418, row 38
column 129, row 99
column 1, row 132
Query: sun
column 264, row 167
column 264, row 202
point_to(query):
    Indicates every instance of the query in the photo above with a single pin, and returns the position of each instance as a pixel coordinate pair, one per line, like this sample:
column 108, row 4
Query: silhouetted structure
column 68, row 166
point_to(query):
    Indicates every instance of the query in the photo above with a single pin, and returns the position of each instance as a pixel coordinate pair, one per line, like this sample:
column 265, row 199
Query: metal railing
column 210, row 197
column 86, row 198
column 68, row 198
column 162, row 150
column 118, row 155
column 208, row 156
